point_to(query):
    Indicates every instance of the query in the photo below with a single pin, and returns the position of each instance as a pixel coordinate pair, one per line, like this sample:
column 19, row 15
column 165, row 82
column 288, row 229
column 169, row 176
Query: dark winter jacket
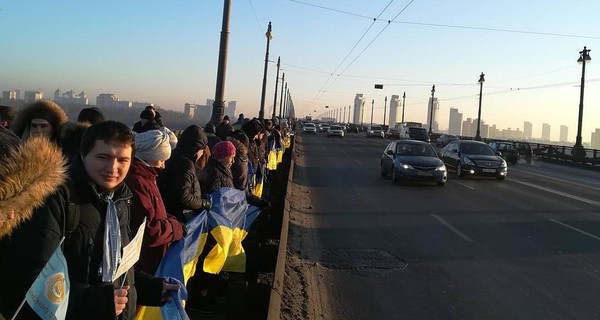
column 161, row 228
column 178, row 183
column 215, row 176
column 212, row 140
column 223, row 131
column 239, row 169
column 34, row 242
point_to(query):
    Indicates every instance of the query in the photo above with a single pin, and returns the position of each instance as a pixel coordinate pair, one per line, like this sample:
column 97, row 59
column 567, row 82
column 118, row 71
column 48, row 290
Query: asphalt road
column 524, row 248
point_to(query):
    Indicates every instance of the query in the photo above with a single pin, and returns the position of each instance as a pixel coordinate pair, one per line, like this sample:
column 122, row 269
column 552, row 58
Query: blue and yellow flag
column 49, row 293
column 229, row 220
column 179, row 263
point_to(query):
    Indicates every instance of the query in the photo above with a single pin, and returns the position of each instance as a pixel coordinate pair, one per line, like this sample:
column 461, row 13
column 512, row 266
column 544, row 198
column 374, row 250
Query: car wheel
column 383, row 173
column 395, row 178
column 459, row 170
column 441, row 183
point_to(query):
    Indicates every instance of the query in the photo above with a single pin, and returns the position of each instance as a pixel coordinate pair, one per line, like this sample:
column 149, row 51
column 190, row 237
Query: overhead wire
column 351, row 50
column 255, row 17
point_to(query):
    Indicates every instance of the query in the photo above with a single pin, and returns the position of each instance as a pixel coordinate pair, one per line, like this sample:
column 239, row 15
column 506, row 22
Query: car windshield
column 476, row 148
column 420, row 150
column 310, row 125
column 508, row 147
column 335, row 128
column 376, row 128
column 417, row 130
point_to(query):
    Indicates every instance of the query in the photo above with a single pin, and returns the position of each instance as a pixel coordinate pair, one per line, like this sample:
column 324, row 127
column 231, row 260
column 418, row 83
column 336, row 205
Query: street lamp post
column 372, row 107
column 344, row 118
column 261, row 113
column 403, row 98
column 281, row 99
column 384, row 109
column 481, row 81
column 578, row 150
column 431, row 109
column 276, row 83
column 219, row 104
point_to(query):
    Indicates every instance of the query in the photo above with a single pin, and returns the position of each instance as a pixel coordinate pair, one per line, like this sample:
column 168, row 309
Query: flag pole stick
column 25, row 299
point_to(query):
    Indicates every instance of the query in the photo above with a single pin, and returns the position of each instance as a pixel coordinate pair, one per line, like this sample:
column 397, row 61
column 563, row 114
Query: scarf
column 112, row 240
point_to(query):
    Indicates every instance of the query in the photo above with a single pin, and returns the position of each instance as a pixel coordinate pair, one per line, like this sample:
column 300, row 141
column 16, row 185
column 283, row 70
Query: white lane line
column 576, row 229
column 449, row 226
column 556, row 179
column 560, row 193
column 358, row 161
column 464, row 185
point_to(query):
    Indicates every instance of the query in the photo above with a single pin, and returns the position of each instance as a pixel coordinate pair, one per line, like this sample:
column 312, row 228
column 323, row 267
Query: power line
column 255, row 17
column 449, row 25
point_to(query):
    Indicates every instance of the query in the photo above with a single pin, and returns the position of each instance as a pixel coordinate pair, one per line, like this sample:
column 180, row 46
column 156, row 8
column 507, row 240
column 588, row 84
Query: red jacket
column 161, row 228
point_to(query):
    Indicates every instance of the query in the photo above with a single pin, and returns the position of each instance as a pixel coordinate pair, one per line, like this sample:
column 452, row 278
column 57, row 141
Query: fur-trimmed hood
column 45, row 109
column 28, row 175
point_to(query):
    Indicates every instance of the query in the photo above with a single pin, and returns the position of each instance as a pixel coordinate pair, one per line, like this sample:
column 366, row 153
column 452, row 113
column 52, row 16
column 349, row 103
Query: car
column 506, row 150
column 412, row 160
column 524, row 149
column 417, row 133
column 324, row 127
column 335, row 131
column 375, row 131
column 352, row 128
column 473, row 158
column 392, row 134
column 309, row 127
column 444, row 139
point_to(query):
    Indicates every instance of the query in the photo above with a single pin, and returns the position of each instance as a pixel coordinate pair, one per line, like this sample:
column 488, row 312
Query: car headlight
column 503, row 164
column 441, row 167
column 468, row 161
column 405, row 166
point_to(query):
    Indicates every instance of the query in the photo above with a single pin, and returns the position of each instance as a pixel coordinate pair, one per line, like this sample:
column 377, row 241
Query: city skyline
column 530, row 65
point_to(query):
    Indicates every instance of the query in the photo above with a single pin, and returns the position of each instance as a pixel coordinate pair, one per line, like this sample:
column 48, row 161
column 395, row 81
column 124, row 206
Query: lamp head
column 584, row 56
column 481, row 78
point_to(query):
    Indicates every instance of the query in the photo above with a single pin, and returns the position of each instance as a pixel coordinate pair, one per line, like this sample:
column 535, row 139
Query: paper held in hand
column 131, row 252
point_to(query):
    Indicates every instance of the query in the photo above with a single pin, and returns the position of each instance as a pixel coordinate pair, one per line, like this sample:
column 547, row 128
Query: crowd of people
column 85, row 185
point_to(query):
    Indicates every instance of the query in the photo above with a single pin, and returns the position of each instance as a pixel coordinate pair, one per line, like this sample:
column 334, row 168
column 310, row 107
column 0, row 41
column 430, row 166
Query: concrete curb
column 278, row 278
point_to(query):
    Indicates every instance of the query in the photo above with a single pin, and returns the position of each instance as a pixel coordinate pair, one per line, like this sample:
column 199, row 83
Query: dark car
column 412, row 160
column 392, row 134
column 420, row 134
column 444, row 139
column 524, row 149
column 506, row 150
column 352, row 128
column 471, row 158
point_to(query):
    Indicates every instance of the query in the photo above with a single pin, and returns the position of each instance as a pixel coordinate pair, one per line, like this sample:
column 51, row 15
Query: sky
column 166, row 52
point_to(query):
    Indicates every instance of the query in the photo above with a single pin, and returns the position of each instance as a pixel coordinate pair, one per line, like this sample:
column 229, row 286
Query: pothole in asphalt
column 357, row 259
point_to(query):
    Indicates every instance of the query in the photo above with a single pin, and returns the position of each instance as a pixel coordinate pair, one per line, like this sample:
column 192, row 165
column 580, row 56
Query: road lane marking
column 557, row 179
column 560, row 193
column 449, row 226
column 576, row 229
column 358, row 161
column 464, row 185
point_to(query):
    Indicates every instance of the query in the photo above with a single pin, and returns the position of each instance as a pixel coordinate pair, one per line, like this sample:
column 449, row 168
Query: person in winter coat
column 153, row 149
column 7, row 116
column 239, row 169
column 43, row 117
column 146, row 122
column 178, row 182
column 91, row 115
column 224, row 129
column 70, row 139
column 209, row 129
column 29, row 172
column 254, row 129
column 96, row 195
column 217, row 173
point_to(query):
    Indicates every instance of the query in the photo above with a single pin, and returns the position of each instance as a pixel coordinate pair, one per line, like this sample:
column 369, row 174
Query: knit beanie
column 240, row 136
column 223, row 150
column 153, row 145
column 92, row 115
